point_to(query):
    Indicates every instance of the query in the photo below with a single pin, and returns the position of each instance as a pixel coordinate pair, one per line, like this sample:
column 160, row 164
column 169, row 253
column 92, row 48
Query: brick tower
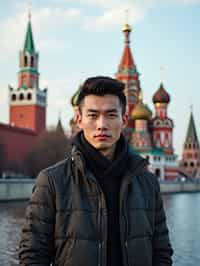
column 127, row 73
column 28, row 101
column 190, row 163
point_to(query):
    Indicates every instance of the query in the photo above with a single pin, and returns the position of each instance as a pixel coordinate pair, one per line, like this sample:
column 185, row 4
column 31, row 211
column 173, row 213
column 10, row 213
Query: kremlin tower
column 28, row 102
column 27, row 108
column 190, row 163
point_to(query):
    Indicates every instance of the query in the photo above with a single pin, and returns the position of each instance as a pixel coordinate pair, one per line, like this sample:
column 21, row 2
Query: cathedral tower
column 28, row 101
column 162, row 125
column 141, row 138
column 127, row 73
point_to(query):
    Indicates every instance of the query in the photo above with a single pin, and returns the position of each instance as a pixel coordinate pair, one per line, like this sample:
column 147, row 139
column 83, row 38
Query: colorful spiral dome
column 161, row 95
column 141, row 112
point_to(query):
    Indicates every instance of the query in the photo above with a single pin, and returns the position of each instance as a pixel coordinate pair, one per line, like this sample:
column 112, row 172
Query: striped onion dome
column 161, row 95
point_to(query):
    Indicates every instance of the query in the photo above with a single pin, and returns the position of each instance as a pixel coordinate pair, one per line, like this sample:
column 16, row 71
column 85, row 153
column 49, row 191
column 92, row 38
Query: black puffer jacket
column 66, row 219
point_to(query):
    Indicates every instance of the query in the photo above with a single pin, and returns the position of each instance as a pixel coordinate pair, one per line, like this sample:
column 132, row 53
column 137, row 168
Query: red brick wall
column 28, row 116
column 18, row 142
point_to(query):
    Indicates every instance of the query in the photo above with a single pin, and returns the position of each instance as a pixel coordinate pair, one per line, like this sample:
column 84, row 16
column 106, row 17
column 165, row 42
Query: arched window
column 157, row 123
column 192, row 164
column 185, row 164
column 25, row 61
column 32, row 61
column 29, row 96
column 21, row 96
column 14, row 97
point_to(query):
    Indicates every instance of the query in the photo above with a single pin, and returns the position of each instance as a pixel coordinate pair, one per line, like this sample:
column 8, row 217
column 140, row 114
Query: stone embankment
column 20, row 189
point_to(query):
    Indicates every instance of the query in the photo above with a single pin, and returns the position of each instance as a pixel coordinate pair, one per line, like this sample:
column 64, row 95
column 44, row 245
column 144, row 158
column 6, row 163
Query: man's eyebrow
column 114, row 110
column 92, row 111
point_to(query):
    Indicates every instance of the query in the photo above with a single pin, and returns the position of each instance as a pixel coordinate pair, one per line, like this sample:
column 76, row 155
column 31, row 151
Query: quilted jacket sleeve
column 36, row 245
column 162, row 250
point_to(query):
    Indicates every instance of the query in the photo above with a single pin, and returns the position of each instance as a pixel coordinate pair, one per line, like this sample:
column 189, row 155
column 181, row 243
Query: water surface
column 183, row 216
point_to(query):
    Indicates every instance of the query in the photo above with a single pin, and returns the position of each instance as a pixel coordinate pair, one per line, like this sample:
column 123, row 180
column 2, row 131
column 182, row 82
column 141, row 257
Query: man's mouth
column 102, row 136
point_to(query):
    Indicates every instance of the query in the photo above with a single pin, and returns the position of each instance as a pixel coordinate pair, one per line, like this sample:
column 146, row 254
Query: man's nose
column 102, row 123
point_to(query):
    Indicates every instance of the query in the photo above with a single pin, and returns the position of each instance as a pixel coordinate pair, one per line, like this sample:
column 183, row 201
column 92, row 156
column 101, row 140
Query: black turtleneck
column 108, row 173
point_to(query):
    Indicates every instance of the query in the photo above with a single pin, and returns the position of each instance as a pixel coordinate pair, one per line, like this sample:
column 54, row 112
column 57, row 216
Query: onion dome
column 74, row 98
column 161, row 96
column 126, row 27
column 141, row 112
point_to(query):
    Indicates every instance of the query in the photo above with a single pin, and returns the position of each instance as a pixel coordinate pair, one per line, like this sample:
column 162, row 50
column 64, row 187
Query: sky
column 77, row 39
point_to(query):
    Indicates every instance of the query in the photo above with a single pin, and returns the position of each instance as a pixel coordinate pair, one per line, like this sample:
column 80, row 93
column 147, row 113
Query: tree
column 50, row 148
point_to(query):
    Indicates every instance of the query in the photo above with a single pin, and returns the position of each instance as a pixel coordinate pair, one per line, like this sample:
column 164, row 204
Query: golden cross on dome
column 127, row 16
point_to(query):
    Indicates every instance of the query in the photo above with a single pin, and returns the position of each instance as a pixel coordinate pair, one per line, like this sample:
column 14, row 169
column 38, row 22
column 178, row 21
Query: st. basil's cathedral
column 150, row 135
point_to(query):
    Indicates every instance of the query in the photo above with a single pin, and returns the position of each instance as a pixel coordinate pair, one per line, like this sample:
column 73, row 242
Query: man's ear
column 125, row 119
column 78, row 118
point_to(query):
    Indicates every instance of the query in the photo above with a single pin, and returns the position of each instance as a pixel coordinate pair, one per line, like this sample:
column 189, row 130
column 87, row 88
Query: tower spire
column 29, row 10
column 29, row 16
column 191, row 132
column 127, row 29
column 29, row 41
column 127, row 72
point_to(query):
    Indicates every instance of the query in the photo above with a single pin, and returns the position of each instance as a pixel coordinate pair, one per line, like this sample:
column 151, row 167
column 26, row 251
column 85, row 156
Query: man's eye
column 92, row 115
column 112, row 115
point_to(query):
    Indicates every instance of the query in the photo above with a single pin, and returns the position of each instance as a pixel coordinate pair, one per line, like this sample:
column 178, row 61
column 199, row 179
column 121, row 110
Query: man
column 100, row 206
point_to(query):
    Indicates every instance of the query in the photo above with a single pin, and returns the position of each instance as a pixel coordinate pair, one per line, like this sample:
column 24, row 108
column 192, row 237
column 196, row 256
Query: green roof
column 29, row 43
column 191, row 132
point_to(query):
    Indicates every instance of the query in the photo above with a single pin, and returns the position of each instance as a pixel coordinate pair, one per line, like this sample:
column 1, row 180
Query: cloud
column 113, row 13
column 113, row 18
column 47, row 21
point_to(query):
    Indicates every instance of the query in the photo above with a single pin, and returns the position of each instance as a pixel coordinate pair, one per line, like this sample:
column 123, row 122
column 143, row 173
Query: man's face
column 101, row 120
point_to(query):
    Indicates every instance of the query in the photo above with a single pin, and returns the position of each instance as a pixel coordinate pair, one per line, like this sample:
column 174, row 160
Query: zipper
column 101, row 241
column 124, row 221
column 126, row 240
column 126, row 233
column 99, row 255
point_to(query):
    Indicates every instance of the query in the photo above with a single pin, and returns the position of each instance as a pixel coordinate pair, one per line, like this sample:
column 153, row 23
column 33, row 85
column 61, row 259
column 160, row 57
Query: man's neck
column 109, row 153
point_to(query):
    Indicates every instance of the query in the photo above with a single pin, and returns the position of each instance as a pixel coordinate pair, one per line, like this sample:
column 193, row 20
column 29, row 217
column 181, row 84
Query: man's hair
column 101, row 86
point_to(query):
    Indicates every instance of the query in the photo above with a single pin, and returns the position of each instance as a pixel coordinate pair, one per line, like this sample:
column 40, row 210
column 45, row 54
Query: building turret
column 28, row 102
column 190, row 163
column 162, row 126
column 73, row 122
column 127, row 73
column 141, row 139
column 161, row 100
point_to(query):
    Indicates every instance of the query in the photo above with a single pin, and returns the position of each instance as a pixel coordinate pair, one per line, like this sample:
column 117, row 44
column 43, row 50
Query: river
column 183, row 218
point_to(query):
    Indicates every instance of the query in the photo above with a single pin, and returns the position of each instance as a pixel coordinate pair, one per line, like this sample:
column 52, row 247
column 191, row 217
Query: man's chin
column 103, row 146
